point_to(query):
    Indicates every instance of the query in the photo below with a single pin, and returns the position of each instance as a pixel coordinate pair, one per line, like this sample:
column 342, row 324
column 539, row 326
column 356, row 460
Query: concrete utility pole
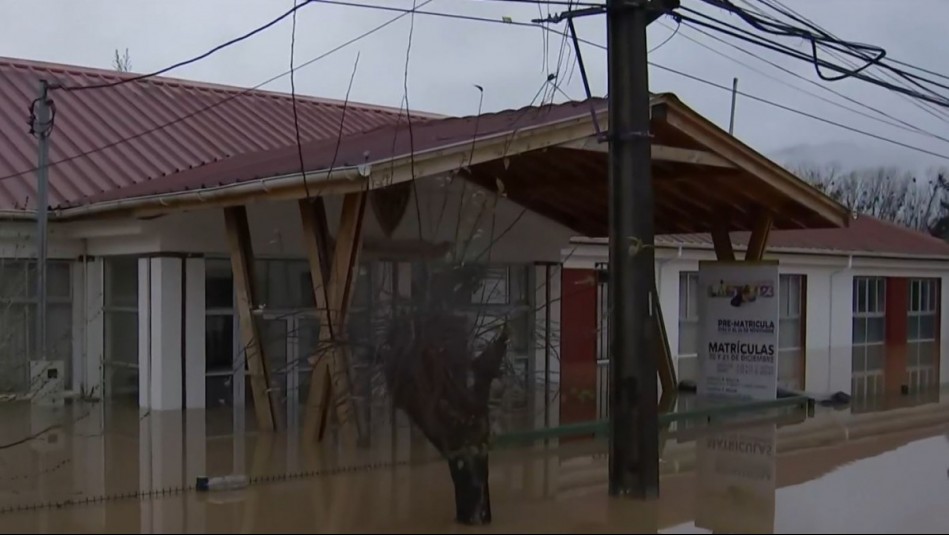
column 634, row 424
column 42, row 128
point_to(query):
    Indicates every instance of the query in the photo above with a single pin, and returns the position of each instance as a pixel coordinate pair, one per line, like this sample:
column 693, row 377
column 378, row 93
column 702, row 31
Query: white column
column 144, row 333
column 90, row 327
column 944, row 331
column 840, row 370
column 194, row 333
column 823, row 315
column 166, row 341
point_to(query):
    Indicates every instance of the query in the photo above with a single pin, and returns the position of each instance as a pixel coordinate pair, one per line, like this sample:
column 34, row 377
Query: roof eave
column 674, row 112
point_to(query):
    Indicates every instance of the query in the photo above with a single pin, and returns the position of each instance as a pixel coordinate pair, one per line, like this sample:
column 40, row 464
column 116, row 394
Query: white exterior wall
column 497, row 230
column 829, row 301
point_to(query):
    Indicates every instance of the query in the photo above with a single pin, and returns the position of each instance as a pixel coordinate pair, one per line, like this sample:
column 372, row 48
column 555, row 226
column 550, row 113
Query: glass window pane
column 261, row 274
column 13, row 282
column 875, row 329
column 927, row 354
column 875, row 356
column 683, row 295
column 859, row 330
column 14, row 349
column 59, row 332
column 688, row 337
column 857, row 354
column 927, row 327
column 912, row 350
column 219, row 391
column 913, row 295
column 861, row 295
column 493, row 288
column 881, row 295
column 789, row 333
column 218, row 284
column 693, row 296
column 784, row 305
column 519, row 285
column 796, row 294
column 873, row 297
column 362, row 297
column 121, row 282
column 121, row 337
column 219, row 343
column 58, row 280
column 912, row 328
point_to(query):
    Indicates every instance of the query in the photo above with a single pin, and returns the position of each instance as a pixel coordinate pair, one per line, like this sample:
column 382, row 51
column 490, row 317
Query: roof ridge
column 64, row 68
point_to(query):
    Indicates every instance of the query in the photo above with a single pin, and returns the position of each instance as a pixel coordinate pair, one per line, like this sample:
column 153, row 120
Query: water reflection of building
column 737, row 481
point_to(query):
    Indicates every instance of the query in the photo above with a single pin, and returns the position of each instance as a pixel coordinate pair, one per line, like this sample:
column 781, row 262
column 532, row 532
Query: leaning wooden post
column 266, row 404
column 333, row 316
column 759, row 237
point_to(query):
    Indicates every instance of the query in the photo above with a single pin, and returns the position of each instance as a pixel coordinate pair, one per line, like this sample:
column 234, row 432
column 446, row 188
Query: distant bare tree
column 887, row 193
column 122, row 62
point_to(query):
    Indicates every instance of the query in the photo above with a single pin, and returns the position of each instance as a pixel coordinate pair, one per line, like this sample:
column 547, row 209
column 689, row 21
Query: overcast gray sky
column 449, row 56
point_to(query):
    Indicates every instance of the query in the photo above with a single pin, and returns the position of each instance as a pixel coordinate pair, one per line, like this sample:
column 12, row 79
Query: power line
column 821, row 36
column 894, row 121
column 195, row 59
column 215, row 104
column 718, row 26
column 937, row 112
column 404, row 12
column 802, row 113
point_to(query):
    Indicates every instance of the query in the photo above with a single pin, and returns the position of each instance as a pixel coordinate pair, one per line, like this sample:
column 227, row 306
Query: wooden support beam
column 330, row 382
column 663, row 153
column 722, row 241
column 759, row 237
column 667, row 371
column 266, row 402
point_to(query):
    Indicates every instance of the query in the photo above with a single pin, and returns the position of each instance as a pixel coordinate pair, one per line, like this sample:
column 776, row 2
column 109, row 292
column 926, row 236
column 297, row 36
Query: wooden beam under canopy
column 266, row 402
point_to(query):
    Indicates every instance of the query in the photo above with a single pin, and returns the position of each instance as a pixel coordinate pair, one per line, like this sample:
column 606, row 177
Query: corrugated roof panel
column 865, row 234
column 239, row 122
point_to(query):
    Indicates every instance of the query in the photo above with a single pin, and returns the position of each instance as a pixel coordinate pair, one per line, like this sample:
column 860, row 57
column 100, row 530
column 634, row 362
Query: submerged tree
column 438, row 376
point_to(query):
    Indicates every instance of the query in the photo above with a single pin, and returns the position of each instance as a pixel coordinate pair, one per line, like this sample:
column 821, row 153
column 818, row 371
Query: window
column 790, row 332
column 18, row 318
column 688, row 313
column 922, row 309
column 869, row 317
column 121, row 327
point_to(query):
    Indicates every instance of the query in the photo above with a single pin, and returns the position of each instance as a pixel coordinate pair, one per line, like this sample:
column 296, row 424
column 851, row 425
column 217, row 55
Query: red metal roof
column 240, row 121
column 865, row 235
column 377, row 145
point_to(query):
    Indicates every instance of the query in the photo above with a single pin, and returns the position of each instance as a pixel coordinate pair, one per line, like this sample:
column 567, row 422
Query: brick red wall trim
column 578, row 332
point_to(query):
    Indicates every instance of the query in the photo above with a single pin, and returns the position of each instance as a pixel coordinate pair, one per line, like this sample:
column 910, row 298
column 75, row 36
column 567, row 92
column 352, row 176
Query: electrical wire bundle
column 866, row 56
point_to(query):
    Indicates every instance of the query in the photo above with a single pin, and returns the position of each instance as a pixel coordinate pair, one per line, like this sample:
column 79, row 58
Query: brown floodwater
column 111, row 470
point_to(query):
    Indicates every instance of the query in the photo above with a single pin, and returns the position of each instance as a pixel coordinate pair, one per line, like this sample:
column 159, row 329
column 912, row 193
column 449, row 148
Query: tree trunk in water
column 469, row 473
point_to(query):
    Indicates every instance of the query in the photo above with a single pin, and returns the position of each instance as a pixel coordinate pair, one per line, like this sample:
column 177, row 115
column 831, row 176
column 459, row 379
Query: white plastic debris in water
column 232, row 482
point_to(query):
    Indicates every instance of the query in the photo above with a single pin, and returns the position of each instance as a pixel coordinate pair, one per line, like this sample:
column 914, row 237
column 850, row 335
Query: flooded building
column 198, row 250
column 861, row 306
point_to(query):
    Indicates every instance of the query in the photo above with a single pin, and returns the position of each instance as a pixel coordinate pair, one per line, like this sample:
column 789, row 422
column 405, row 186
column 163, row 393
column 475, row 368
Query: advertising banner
column 738, row 329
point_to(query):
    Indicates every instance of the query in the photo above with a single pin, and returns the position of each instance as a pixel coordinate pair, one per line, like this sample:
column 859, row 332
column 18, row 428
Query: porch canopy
column 547, row 159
